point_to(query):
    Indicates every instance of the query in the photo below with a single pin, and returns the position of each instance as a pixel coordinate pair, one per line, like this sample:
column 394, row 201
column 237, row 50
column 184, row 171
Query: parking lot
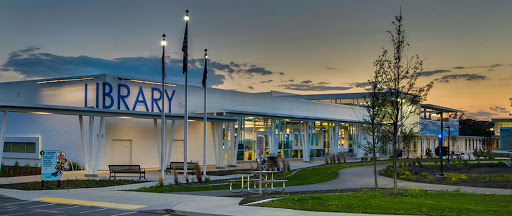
column 10, row 206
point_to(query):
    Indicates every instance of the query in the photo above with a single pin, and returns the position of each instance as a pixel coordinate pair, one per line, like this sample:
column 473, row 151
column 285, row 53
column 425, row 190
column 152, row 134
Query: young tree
column 373, row 123
column 397, row 74
column 409, row 135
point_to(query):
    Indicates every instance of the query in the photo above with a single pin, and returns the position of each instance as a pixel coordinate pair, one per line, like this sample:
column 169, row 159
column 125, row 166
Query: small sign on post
column 52, row 165
column 259, row 147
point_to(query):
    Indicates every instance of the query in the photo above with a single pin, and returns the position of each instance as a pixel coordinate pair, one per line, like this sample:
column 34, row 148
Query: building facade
column 99, row 120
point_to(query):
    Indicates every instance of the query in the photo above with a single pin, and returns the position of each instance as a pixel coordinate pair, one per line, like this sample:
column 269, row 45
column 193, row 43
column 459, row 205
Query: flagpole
column 204, row 120
column 163, row 143
column 186, row 97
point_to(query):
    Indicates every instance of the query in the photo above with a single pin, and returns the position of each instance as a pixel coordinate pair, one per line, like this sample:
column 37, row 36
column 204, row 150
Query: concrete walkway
column 198, row 202
column 358, row 177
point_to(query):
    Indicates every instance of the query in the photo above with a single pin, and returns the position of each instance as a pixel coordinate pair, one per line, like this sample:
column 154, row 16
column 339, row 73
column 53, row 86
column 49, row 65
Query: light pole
column 163, row 143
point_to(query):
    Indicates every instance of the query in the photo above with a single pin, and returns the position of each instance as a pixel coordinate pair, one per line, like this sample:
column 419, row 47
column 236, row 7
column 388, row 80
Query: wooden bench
column 126, row 169
column 180, row 166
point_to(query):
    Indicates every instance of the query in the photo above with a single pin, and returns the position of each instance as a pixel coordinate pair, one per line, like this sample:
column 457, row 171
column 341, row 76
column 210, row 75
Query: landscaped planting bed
column 491, row 175
column 69, row 184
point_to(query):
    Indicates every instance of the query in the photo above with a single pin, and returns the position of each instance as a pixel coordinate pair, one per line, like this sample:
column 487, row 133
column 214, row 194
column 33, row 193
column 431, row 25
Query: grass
column 310, row 175
column 69, row 184
column 408, row 202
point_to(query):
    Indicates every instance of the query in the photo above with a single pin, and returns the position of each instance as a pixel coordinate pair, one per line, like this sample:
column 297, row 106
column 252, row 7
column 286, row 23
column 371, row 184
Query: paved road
column 9, row 206
column 358, row 177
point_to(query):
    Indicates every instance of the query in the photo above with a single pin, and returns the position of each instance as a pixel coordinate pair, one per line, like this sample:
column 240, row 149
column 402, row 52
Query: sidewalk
column 197, row 202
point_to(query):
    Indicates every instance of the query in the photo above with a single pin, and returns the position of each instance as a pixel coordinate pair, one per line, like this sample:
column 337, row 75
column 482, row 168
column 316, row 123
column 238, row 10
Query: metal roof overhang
column 67, row 110
column 438, row 108
column 279, row 116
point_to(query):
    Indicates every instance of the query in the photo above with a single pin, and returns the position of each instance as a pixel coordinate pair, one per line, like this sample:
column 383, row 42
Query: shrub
column 175, row 175
column 345, row 158
column 207, row 179
column 16, row 164
column 160, row 181
column 288, row 165
column 197, row 171
column 338, row 157
column 186, row 178
column 333, row 158
column 326, row 160
column 455, row 177
column 424, row 175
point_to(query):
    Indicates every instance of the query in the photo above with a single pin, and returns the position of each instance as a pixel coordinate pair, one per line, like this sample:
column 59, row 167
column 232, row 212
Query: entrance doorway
column 121, row 152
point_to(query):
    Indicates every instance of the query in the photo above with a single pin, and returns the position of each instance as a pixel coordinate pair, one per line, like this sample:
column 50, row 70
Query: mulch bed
column 69, row 184
column 470, row 170
column 13, row 171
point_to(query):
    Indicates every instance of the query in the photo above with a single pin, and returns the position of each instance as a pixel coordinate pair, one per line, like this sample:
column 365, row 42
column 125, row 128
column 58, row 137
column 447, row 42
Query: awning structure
column 438, row 109
column 68, row 110
column 220, row 113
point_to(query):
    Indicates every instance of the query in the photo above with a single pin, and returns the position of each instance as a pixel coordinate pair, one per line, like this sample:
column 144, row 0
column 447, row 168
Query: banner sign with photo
column 52, row 164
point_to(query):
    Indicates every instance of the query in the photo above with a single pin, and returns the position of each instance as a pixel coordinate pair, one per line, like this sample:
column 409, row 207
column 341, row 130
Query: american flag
column 205, row 72
column 184, row 48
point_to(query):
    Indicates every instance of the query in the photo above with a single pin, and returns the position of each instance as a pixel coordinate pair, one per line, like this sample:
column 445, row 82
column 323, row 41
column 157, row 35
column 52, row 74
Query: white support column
column 84, row 148
column 231, row 153
column 224, row 146
column 158, row 145
column 2, row 136
column 99, row 144
column 90, row 172
column 215, row 142
column 169, row 148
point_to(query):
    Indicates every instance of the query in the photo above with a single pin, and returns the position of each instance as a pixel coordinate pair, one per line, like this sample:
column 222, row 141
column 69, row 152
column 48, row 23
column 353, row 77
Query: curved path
column 358, row 177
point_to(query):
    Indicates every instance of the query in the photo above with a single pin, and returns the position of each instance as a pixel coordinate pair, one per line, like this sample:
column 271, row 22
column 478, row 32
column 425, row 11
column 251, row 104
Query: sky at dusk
column 305, row 47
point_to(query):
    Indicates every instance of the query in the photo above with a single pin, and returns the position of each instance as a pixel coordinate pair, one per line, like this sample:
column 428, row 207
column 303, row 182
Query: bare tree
column 397, row 74
column 409, row 135
column 373, row 123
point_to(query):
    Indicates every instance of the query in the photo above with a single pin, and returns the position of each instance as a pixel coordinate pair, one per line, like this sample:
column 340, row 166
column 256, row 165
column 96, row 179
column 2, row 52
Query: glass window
column 31, row 148
column 18, row 147
column 7, row 147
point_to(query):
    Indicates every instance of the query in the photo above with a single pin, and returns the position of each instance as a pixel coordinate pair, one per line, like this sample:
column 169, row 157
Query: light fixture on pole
column 205, row 73
column 184, row 48
column 163, row 124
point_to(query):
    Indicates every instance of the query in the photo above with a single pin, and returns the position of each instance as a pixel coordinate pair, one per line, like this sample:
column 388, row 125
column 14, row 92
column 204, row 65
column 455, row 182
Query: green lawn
column 310, row 175
column 409, row 202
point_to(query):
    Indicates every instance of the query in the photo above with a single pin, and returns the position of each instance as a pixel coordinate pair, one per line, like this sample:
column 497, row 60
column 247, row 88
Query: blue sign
column 108, row 99
column 52, row 163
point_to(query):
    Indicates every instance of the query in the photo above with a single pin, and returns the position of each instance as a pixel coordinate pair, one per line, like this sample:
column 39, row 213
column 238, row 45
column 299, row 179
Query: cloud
column 498, row 109
column 250, row 87
column 467, row 77
column 330, row 68
column 30, row 63
column 360, row 84
column 308, row 85
column 431, row 73
column 478, row 66
column 267, row 81
column 482, row 114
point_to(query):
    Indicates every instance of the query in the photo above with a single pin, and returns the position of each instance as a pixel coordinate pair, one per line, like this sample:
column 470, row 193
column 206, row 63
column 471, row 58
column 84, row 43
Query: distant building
column 503, row 132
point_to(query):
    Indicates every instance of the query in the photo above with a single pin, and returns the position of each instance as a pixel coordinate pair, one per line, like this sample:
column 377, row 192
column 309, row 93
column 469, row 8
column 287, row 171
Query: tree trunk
column 375, row 165
column 395, row 175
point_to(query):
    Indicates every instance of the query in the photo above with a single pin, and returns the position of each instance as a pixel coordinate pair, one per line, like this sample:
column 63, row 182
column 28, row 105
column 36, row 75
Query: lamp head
column 163, row 42
column 186, row 18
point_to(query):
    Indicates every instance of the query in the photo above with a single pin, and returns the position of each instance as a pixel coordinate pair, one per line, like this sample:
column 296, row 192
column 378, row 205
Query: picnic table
column 247, row 182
